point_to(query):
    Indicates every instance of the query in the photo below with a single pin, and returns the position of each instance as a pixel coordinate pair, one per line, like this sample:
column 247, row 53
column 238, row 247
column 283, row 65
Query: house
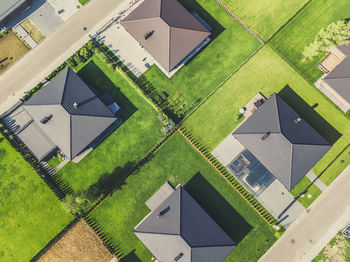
column 335, row 83
column 65, row 115
column 167, row 31
column 178, row 229
column 284, row 143
column 10, row 7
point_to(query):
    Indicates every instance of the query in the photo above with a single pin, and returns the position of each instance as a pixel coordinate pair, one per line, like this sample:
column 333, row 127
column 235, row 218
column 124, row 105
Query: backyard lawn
column 215, row 119
column 137, row 134
column 306, row 188
column 193, row 82
column 11, row 49
column 301, row 31
column 30, row 214
column 119, row 214
column 264, row 17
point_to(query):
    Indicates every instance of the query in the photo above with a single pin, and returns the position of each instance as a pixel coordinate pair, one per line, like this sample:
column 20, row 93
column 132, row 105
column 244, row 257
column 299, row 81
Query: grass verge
column 120, row 213
column 27, row 224
column 306, row 188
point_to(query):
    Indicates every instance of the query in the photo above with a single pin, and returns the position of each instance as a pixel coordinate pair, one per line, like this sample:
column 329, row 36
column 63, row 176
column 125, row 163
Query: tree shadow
column 110, row 182
column 131, row 257
column 218, row 208
column 93, row 76
column 308, row 113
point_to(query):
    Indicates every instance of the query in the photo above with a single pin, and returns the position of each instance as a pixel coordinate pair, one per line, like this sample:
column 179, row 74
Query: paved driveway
column 67, row 8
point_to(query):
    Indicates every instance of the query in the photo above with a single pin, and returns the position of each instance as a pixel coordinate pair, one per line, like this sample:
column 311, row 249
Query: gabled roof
column 8, row 6
column 175, row 31
column 289, row 149
column 345, row 49
column 71, row 128
column 180, row 226
column 339, row 78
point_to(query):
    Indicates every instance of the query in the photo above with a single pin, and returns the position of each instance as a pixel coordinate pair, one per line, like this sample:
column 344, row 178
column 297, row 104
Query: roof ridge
column 175, row 27
column 278, row 114
column 157, row 233
column 215, row 246
column 65, row 84
column 334, row 78
column 149, row 18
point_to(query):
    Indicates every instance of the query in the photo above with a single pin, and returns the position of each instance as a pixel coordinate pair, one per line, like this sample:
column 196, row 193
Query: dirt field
column 78, row 244
column 10, row 46
column 32, row 30
column 337, row 250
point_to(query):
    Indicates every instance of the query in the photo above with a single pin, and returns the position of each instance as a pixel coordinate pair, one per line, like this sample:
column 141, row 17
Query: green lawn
column 302, row 30
column 264, row 17
column 83, row 2
column 54, row 162
column 138, row 133
column 305, row 187
column 267, row 72
column 119, row 214
column 338, row 249
column 192, row 83
column 30, row 214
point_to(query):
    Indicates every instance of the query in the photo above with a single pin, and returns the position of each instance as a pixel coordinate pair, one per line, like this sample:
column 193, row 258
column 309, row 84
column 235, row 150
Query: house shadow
column 131, row 257
column 93, row 76
column 308, row 113
column 218, row 208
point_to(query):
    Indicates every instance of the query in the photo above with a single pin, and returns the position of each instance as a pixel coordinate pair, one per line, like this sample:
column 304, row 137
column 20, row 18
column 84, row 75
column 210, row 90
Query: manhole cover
column 292, row 241
column 78, row 6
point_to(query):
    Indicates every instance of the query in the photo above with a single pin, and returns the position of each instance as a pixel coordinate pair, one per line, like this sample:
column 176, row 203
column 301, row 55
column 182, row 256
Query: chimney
column 148, row 34
column 265, row 135
column 45, row 119
column 163, row 212
column 297, row 120
column 177, row 258
column 75, row 105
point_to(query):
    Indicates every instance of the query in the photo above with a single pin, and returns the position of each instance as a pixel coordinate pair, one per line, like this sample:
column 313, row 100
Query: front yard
column 215, row 119
column 11, row 49
column 30, row 214
column 301, row 31
column 193, row 82
column 137, row 134
column 120, row 213
column 308, row 190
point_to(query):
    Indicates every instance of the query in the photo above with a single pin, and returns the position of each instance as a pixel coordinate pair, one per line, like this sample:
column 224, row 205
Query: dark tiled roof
column 345, row 49
column 339, row 79
column 8, row 6
column 183, row 228
column 176, row 32
column 71, row 129
column 290, row 149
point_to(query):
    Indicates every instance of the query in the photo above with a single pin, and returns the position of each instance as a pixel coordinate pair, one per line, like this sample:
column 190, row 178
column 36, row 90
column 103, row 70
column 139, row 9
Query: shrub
column 76, row 203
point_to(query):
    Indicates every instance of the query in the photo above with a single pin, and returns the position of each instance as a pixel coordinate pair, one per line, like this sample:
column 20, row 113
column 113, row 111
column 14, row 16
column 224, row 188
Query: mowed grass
column 301, row 31
column 306, row 188
column 267, row 72
column 194, row 81
column 11, row 49
column 264, row 17
column 137, row 134
column 177, row 163
column 30, row 214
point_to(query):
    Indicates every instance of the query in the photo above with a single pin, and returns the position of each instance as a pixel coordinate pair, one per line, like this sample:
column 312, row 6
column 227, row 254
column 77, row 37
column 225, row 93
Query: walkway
column 316, row 181
column 47, row 56
column 316, row 226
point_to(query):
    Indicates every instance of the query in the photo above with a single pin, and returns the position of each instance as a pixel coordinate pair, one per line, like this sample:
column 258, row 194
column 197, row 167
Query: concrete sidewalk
column 316, row 226
column 43, row 59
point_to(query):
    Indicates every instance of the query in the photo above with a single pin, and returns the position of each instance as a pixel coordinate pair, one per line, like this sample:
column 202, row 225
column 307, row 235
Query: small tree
column 71, row 62
column 76, row 203
column 84, row 52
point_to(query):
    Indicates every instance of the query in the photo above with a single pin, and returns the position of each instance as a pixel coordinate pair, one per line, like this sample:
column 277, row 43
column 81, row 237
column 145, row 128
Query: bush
column 78, row 60
column 76, row 203
column 347, row 114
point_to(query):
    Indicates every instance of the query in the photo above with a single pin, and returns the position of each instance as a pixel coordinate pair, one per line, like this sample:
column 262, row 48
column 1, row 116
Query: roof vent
column 163, row 212
column 178, row 257
column 45, row 119
column 148, row 34
column 297, row 120
column 75, row 105
column 265, row 135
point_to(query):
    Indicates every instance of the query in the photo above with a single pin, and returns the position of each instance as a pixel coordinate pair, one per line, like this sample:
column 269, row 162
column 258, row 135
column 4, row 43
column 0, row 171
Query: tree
column 76, row 203
column 335, row 34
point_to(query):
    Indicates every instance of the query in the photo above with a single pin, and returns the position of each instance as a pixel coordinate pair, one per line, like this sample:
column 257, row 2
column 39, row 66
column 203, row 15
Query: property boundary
column 221, row 170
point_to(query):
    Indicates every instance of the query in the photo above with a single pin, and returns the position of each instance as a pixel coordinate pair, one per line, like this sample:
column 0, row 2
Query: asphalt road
column 43, row 59
column 306, row 237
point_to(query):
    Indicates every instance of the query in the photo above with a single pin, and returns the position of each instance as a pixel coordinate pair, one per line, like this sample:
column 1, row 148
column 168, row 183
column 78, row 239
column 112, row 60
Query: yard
column 306, row 188
column 32, row 30
column 137, row 134
column 11, row 49
column 337, row 250
column 215, row 119
column 120, row 213
column 302, row 30
column 264, row 17
column 193, row 82
column 30, row 214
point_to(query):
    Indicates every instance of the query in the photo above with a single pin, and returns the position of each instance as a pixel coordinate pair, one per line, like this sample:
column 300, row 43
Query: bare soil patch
column 78, row 244
column 11, row 49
